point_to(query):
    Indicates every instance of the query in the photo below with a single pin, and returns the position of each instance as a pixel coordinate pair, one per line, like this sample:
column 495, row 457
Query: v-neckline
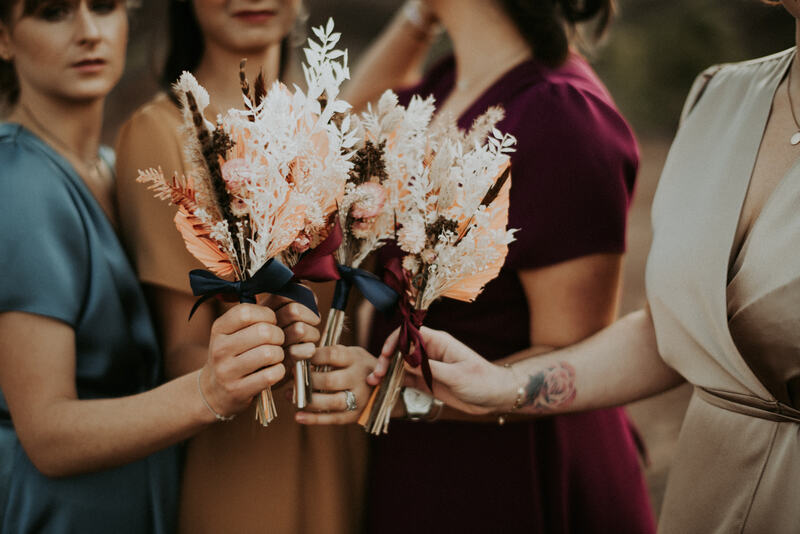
column 497, row 84
column 68, row 169
column 773, row 90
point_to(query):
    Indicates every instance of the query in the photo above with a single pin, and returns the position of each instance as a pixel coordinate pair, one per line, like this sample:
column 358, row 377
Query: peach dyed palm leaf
column 201, row 246
column 467, row 289
column 179, row 190
column 464, row 221
column 290, row 215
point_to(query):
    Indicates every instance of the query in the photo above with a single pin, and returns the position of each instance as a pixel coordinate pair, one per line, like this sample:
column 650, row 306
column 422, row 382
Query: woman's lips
column 254, row 17
column 89, row 65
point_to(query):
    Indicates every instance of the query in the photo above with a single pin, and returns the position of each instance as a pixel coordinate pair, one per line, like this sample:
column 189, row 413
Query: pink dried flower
column 371, row 199
column 301, row 243
column 234, row 172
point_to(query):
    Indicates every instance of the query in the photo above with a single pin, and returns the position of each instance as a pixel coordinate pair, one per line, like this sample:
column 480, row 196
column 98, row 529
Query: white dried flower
column 411, row 264
column 428, row 256
column 411, row 237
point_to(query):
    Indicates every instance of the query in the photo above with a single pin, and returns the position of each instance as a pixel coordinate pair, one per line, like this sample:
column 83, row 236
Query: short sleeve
column 151, row 139
column 572, row 175
column 44, row 264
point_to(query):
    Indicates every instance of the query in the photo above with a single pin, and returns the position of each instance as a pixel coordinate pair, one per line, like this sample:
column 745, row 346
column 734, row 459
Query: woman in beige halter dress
column 723, row 287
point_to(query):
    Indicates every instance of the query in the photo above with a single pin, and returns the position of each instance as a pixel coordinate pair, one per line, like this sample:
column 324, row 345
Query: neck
column 793, row 76
column 218, row 72
column 797, row 33
column 485, row 40
column 70, row 126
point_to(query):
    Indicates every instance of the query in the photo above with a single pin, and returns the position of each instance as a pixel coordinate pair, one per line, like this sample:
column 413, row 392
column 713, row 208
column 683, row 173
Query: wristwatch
column 421, row 406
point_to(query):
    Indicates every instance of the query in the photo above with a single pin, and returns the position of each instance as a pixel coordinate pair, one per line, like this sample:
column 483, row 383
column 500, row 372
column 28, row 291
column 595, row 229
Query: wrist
column 199, row 414
column 509, row 392
column 211, row 414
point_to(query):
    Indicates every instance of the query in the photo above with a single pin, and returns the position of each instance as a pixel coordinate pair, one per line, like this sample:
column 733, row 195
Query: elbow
column 49, row 455
column 50, row 463
column 51, row 469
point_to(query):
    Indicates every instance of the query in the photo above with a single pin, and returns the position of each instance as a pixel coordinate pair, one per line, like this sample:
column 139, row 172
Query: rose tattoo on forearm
column 551, row 388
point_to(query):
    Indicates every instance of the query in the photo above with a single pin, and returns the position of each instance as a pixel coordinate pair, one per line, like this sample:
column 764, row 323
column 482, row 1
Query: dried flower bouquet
column 452, row 217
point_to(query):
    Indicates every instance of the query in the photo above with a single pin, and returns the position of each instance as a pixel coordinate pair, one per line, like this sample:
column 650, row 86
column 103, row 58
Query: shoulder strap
column 697, row 90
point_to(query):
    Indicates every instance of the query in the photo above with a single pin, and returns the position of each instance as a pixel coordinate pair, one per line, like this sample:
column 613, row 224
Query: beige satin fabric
column 730, row 327
column 238, row 477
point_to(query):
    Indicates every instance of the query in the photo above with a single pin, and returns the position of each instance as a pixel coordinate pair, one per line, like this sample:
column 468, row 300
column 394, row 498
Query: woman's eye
column 103, row 7
column 55, row 11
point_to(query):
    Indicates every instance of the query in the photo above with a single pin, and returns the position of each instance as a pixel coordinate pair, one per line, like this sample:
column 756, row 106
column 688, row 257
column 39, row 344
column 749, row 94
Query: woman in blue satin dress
column 85, row 427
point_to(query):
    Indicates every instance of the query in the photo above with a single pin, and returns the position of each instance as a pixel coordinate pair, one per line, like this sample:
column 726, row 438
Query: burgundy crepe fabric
column 572, row 180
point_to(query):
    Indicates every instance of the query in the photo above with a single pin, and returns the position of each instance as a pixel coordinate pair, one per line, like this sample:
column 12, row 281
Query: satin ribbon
column 273, row 277
column 411, row 321
column 318, row 264
column 374, row 290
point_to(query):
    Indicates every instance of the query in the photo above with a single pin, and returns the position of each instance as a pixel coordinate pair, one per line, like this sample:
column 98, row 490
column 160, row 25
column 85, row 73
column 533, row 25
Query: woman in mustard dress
column 238, row 477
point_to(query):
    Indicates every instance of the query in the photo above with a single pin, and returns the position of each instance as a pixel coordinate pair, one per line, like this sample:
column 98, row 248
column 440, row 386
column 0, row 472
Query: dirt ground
column 658, row 418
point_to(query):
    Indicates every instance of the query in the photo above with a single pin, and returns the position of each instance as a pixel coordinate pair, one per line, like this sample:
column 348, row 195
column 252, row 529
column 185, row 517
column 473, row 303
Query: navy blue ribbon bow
column 274, row 277
column 374, row 290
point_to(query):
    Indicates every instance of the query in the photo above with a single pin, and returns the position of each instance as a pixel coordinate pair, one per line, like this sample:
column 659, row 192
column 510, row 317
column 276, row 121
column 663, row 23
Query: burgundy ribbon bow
column 410, row 343
column 318, row 264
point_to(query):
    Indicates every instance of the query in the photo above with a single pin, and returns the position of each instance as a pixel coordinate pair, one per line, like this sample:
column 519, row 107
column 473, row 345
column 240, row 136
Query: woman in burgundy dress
column 572, row 179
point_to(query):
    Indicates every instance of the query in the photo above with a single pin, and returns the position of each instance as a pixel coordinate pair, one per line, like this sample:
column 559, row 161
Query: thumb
column 381, row 368
column 390, row 345
column 439, row 345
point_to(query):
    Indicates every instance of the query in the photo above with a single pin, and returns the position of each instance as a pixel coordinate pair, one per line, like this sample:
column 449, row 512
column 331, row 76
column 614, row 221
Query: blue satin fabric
column 60, row 258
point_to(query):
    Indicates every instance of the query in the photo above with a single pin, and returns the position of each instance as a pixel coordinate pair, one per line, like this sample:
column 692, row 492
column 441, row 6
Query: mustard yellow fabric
column 238, row 476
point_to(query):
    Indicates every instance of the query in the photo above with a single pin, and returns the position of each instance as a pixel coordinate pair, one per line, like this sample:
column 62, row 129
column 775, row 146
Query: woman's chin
column 87, row 90
column 252, row 40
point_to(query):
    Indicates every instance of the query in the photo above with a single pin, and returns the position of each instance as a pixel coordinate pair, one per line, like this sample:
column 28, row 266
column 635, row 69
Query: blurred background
column 648, row 61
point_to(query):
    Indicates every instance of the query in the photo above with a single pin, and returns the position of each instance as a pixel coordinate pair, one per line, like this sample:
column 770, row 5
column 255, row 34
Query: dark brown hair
column 9, row 85
column 186, row 44
column 547, row 25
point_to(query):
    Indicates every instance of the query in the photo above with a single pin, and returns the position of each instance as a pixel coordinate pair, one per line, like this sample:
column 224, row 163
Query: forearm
column 453, row 414
column 618, row 365
column 394, row 60
column 79, row 436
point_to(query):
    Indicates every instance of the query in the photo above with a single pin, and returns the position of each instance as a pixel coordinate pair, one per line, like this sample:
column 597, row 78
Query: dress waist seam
column 750, row 405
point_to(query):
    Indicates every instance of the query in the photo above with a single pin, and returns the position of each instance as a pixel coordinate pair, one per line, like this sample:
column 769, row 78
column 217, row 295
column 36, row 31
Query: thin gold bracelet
column 219, row 417
column 518, row 402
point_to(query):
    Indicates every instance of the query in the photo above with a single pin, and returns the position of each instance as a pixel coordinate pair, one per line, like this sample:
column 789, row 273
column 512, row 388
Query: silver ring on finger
column 350, row 400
